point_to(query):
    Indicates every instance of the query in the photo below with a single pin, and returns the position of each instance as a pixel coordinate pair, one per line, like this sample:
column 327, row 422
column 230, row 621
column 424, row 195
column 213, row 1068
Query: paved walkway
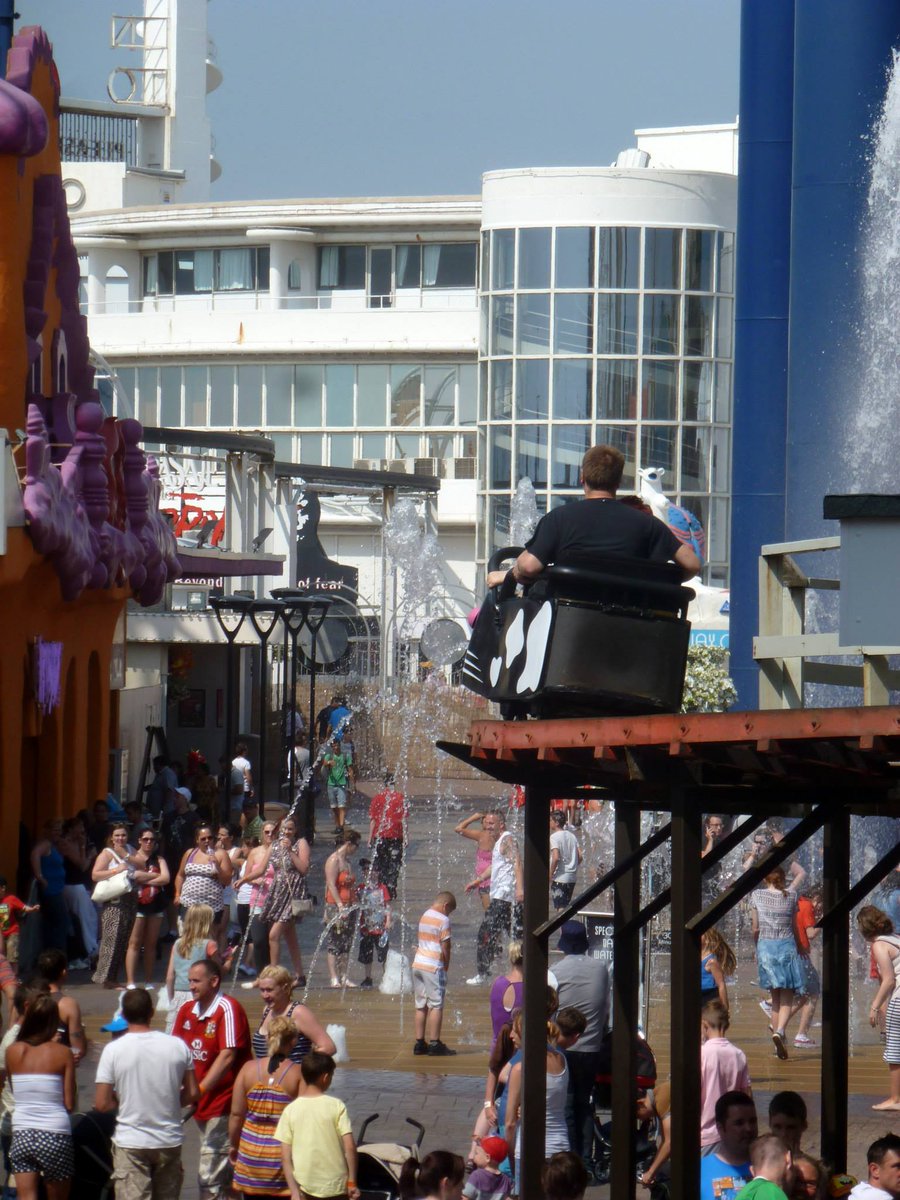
column 383, row 1077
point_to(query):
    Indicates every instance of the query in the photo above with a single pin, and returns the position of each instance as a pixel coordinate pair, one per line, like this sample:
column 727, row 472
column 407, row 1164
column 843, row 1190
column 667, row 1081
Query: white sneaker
column 248, row 984
column 477, row 980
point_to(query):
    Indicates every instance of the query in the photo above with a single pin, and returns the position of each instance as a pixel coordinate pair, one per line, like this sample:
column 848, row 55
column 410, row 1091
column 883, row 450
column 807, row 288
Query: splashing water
column 871, row 460
column 523, row 513
column 417, row 556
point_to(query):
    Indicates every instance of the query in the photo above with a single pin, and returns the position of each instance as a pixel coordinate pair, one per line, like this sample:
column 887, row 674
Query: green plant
column 707, row 684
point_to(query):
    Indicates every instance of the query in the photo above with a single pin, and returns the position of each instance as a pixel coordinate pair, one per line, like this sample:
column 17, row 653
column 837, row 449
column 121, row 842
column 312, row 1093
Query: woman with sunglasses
column 117, row 916
column 202, row 877
column 256, row 879
column 151, row 875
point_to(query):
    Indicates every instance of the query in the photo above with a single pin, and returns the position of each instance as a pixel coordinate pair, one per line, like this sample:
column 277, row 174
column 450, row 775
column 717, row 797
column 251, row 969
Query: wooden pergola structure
column 819, row 765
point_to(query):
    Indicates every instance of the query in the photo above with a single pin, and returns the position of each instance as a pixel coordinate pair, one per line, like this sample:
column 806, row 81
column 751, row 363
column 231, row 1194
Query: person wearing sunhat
column 582, row 983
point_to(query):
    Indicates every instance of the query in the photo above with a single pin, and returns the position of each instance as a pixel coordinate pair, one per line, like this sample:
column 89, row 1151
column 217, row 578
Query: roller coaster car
column 607, row 640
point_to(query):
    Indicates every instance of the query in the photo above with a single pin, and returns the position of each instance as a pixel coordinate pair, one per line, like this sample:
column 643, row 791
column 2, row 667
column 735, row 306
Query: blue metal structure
column 761, row 326
column 818, row 96
column 7, row 17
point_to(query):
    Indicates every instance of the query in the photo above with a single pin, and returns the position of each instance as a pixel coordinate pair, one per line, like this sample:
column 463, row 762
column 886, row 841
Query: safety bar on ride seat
column 673, row 594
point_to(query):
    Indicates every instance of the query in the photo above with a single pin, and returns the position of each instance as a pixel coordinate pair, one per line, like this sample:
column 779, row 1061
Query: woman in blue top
column 49, row 869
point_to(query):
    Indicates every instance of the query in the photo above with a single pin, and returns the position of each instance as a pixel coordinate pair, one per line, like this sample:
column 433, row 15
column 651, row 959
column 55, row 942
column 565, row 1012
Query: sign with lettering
column 599, row 926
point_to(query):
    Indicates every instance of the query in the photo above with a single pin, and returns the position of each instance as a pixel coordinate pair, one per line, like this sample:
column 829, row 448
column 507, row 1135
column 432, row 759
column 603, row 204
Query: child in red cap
column 487, row 1181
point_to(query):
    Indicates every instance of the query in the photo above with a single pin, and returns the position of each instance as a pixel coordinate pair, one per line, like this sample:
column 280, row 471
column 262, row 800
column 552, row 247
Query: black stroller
column 380, row 1163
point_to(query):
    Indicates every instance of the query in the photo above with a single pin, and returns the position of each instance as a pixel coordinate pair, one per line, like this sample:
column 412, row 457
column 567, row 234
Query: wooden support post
column 835, row 990
column 534, row 1041
column 626, row 995
column 685, row 1027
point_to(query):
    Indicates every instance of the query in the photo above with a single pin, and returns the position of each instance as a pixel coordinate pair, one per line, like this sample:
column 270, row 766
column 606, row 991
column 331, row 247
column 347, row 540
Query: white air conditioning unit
column 464, row 468
column 402, row 466
column 367, row 464
column 426, row 466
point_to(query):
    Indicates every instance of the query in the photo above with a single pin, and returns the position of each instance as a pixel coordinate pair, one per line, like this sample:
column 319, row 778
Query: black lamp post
column 230, row 612
column 264, row 616
column 295, row 606
column 316, row 612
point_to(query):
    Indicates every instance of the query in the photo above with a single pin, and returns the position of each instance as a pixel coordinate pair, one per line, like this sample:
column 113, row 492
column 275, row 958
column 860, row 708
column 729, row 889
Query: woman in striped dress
column 878, row 930
column 262, row 1090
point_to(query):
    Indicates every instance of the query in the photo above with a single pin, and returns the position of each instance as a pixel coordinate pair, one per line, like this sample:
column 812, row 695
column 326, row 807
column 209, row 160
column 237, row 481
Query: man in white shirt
column 565, row 856
column 503, row 917
column 151, row 1077
column 883, row 1162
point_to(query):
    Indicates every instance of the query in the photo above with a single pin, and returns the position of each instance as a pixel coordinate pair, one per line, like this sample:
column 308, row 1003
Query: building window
column 436, row 265
column 342, row 267
column 294, row 280
column 200, row 272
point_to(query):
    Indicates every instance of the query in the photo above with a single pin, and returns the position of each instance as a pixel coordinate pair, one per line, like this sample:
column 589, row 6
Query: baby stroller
column 380, row 1163
column 645, row 1078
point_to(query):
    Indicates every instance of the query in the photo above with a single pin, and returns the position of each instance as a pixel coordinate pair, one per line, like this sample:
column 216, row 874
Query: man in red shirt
column 215, row 1029
column 388, row 818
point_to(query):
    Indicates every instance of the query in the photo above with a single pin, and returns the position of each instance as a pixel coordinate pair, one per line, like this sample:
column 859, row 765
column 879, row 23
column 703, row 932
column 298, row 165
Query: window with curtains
column 416, row 265
column 201, row 272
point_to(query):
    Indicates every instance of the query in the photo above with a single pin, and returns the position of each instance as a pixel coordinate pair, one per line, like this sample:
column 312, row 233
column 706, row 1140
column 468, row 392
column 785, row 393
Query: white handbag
column 114, row 887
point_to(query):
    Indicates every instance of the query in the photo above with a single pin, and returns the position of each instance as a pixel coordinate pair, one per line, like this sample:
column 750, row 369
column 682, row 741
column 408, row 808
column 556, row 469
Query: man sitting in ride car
column 576, row 534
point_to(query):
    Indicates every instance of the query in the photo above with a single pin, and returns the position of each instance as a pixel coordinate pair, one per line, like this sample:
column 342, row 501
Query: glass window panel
column 262, row 268
column 468, row 400
column 339, row 394
column 720, row 461
column 406, row 445
column 572, row 385
column 284, row 446
column 698, row 312
column 406, row 384
column 295, row 276
column 694, row 459
column 126, row 407
column 195, row 396
column 450, row 264
column 373, row 445
column 660, row 391
column 662, row 258
column 501, row 389
column 717, row 527
column 533, row 326
column 534, row 258
column 499, row 457
column 250, row 383
column 726, row 262
column 662, row 320
column 485, row 280
column 503, row 250
column 502, row 325
column 569, row 445
column 484, row 326
column 170, row 397
column 439, row 395
column 279, row 383
column 150, row 277
column 235, row 271
column 371, row 395
column 723, row 392
column 311, row 449
column 467, row 445
column 696, row 396
column 574, row 263
column 531, row 454
column 500, row 522
column 616, row 390
column 308, row 399
column 618, row 257
column 147, row 411
column 203, row 270
column 698, row 260
column 724, row 327
column 166, row 272
column 440, row 445
column 483, row 390
column 533, row 388
column 342, row 449
column 658, row 448
column 573, row 330
column 617, row 324
column 408, row 266
column 221, row 396
column 623, row 438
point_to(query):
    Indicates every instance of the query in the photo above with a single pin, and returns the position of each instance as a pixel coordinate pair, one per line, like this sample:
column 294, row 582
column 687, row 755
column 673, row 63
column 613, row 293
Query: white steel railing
column 250, row 301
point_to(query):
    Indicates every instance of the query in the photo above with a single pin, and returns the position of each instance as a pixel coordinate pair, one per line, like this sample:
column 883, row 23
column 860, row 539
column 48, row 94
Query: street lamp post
column 264, row 616
column 315, row 615
column 230, row 612
column 294, row 613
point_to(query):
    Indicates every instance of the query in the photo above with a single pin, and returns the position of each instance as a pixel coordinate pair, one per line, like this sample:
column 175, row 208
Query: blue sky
column 405, row 97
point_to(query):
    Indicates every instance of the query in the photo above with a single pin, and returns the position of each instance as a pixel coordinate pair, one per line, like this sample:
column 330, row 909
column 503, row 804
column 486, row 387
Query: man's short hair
column 878, row 1151
column 51, row 964
column 315, row 1064
column 137, row 1007
column 765, row 1150
column 571, row 1021
column 715, row 1014
column 602, row 468
column 558, row 819
column 788, row 1104
column 210, row 966
column 729, row 1100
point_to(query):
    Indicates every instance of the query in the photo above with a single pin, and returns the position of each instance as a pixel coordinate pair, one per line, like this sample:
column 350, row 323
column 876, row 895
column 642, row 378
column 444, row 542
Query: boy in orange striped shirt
column 430, row 967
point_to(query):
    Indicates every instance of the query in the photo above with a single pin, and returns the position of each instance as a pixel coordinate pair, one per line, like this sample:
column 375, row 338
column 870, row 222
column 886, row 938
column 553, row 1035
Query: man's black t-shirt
column 574, row 534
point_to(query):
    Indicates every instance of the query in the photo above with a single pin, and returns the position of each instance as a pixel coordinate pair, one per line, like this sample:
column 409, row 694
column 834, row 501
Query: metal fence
column 97, row 137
